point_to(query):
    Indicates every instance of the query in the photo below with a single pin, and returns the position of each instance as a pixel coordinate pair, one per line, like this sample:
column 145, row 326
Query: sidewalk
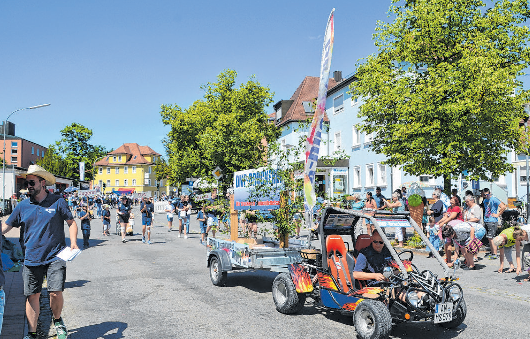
column 15, row 308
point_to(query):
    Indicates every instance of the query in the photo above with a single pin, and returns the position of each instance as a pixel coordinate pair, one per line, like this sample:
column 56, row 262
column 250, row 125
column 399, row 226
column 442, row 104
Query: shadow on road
column 425, row 330
column 257, row 281
column 77, row 283
column 106, row 330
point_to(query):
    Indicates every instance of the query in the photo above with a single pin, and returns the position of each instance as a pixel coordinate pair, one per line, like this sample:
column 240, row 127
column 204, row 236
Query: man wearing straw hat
column 42, row 217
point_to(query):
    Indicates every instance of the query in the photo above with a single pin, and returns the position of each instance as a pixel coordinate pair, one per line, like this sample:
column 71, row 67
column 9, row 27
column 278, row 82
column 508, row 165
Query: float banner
column 314, row 137
column 247, row 183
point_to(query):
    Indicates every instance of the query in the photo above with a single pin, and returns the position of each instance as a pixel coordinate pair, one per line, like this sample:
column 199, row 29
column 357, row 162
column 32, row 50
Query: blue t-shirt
column 200, row 215
column 491, row 206
column 359, row 205
column 85, row 223
column 379, row 200
column 149, row 209
column 106, row 217
column 124, row 208
column 43, row 228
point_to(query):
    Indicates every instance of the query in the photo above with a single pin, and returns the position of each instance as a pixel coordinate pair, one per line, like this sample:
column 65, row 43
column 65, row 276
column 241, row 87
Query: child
column 434, row 238
column 201, row 216
column 130, row 229
column 84, row 216
column 105, row 217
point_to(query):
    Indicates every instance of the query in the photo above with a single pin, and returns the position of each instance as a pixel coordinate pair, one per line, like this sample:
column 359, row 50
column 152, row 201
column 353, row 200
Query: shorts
column 123, row 218
column 491, row 229
column 212, row 221
column 147, row 221
column 203, row 227
column 170, row 218
column 34, row 276
column 480, row 233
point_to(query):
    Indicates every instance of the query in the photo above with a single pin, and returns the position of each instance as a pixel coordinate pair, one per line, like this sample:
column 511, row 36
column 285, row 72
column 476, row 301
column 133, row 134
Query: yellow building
column 130, row 167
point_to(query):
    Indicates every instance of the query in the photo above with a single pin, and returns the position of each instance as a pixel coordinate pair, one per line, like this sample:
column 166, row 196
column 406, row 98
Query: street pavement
column 163, row 290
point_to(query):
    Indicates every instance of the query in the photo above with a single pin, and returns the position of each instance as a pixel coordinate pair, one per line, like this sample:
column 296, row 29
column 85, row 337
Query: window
column 125, row 169
column 356, row 137
column 42, row 153
column 338, row 104
column 134, row 169
column 14, row 144
column 134, row 182
column 125, row 182
column 148, row 182
column 100, row 184
column 37, row 152
column 119, row 158
column 32, row 150
column 117, row 171
column 354, row 101
column 114, row 159
column 108, row 170
column 149, row 169
column 308, row 107
column 369, row 138
column 117, row 182
column 425, row 178
column 14, row 160
column 14, row 151
column 337, row 141
column 370, row 175
column 100, row 170
column 382, row 174
column 500, row 180
column 279, row 113
column 357, row 176
column 108, row 183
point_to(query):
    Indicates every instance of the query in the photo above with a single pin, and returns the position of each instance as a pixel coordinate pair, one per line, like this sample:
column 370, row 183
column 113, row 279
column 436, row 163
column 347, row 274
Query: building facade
column 130, row 167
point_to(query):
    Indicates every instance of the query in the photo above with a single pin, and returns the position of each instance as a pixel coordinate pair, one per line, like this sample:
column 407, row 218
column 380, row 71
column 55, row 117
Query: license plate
column 443, row 313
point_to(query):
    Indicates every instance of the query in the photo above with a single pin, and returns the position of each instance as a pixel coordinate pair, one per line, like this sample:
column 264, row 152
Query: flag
column 315, row 132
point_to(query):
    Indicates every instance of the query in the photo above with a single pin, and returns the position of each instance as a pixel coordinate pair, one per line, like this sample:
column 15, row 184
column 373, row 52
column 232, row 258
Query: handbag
column 189, row 211
column 474, row 246
column 183, row 214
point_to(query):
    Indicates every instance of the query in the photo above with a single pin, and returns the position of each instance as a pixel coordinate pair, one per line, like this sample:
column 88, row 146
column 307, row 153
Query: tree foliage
column 442, row 94
column 225, row 128
column 63, row 158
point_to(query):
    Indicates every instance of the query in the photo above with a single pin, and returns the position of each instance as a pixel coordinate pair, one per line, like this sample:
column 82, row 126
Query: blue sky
column 110, row 65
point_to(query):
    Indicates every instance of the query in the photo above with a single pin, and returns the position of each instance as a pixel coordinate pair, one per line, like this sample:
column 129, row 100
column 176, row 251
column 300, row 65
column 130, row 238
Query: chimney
column 337, row 76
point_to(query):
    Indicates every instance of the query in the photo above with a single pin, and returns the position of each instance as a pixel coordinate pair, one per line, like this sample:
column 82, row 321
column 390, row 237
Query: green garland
column 415, row 200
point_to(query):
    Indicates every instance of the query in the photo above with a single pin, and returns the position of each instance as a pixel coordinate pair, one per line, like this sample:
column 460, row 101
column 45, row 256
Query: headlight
column 412, row 298
column 455, row 292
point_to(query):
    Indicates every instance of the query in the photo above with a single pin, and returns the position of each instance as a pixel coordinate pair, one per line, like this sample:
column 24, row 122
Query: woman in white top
column 170, row 209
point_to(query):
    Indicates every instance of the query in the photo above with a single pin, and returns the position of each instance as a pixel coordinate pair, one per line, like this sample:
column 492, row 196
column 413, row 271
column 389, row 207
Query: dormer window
column 308, row 107
column 279, row 113
column 114, row 159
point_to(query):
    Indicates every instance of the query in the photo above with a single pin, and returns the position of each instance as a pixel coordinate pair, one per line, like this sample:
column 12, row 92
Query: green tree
column 74, row 147
column 442, row 94
column 226, row 128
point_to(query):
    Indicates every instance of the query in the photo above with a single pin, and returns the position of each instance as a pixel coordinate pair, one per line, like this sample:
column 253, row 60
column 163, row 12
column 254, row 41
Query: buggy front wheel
column 372, row 320
column 284, row 294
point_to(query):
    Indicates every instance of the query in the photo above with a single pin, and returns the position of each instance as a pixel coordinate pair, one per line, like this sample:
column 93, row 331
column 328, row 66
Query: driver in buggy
column 372, row 260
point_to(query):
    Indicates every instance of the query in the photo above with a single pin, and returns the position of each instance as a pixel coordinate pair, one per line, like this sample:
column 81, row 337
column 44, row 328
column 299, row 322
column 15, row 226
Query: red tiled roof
column 132, row 151
column 307, row 91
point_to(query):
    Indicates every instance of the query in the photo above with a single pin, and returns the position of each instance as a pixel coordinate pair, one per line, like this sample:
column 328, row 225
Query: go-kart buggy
column 409, row 294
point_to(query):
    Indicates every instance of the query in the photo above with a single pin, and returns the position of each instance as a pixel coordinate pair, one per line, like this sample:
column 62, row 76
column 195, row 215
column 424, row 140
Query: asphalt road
column 163, row 290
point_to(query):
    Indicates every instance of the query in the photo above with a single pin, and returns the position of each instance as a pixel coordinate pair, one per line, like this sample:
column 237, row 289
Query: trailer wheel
column 372, row 320
column 284, row 294
column 458, row 316
column 217, row 276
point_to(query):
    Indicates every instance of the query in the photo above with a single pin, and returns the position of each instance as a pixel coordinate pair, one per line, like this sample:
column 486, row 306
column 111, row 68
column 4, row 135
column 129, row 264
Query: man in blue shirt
column 147, row 208
column 379, row 198
column 493, row 209
column 42, row 217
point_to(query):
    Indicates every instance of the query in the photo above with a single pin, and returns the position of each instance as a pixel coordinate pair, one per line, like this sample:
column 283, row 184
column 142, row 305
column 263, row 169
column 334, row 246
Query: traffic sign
column 217, row 173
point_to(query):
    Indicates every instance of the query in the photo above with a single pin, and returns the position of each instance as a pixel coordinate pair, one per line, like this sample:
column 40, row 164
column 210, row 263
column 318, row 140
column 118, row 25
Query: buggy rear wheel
column 284, row 294
column 372, row 320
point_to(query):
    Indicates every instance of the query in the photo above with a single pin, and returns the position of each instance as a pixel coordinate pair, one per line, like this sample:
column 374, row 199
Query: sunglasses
column 378, row 242
column 30, row 183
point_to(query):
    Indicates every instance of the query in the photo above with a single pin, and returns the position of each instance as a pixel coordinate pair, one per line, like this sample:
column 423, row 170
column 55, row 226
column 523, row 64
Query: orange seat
column 362, row 241
column 338, row 262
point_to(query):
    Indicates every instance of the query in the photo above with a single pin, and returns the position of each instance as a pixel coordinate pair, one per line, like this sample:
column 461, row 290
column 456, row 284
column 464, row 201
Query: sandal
column 511, row 270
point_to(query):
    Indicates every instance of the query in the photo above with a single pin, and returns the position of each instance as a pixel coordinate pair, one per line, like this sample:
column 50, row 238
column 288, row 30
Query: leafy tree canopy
column 63, row 158
column 443, row 94
column 225, row 128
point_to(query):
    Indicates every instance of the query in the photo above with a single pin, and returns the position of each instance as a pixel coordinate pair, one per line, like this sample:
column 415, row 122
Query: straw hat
column 40, row 172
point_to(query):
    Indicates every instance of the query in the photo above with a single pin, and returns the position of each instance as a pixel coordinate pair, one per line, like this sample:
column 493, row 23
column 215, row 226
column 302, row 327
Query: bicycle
column 521, row 208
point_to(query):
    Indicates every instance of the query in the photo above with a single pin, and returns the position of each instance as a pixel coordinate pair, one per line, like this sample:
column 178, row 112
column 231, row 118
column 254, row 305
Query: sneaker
column 124, row 240
column 185, row 236
column 143, row 240
column 169, row 230
column 494, row 256
column 30, row 336
column 60, row 328
column 179, row 235
column 467, row 268
column 149, row 242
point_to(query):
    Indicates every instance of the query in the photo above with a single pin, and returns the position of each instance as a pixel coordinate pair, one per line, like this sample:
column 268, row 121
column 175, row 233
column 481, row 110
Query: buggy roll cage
column 324, row 231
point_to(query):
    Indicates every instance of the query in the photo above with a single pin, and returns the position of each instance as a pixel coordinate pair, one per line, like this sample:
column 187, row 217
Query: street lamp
column 527, row 110
column 4, row 153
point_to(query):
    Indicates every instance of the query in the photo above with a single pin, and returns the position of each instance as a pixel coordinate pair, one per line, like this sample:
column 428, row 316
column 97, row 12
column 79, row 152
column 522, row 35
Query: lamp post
column 4, row 153
column 527, row 109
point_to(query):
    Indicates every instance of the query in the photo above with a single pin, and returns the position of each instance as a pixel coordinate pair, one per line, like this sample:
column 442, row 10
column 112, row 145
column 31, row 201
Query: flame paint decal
column 301, row 278
column 325, row 281
column 406, row 263
column 370, row 290
column 351, row 306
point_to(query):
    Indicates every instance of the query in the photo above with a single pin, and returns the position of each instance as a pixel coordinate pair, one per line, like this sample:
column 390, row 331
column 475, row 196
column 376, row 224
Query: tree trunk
column 284, row 240
column 447, row 184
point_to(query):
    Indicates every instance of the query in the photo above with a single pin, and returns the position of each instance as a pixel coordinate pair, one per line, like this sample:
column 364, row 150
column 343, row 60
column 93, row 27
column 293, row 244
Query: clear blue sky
column 109, row 65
